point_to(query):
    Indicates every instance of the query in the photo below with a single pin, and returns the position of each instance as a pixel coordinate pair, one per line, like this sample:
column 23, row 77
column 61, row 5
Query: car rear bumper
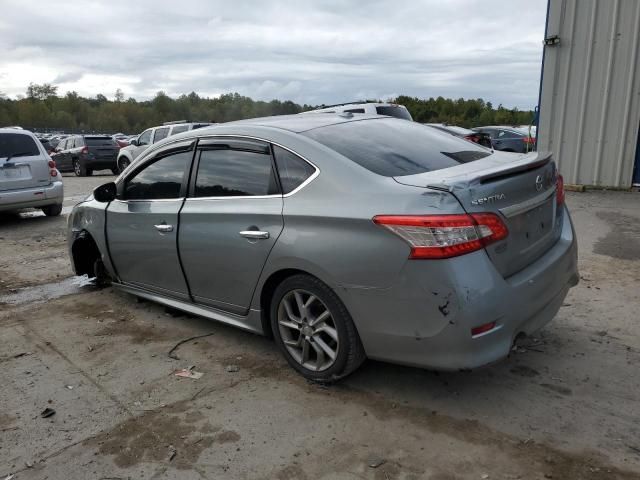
column 101, row 163
column 36, row 197
column 426, row 319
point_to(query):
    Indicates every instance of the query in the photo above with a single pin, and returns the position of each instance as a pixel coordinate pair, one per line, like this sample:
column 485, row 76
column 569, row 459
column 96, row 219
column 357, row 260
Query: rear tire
column 52, row 210
column 123, row 163
column 314, row 330
column 79, row 168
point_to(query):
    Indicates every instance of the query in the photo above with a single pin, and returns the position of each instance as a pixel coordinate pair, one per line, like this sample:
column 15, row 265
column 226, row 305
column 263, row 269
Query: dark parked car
column 509, row 139
column 83, row 154
column 476, row 137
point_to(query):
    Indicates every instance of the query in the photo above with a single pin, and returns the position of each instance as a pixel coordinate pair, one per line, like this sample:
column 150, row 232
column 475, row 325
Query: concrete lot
column 565, row 407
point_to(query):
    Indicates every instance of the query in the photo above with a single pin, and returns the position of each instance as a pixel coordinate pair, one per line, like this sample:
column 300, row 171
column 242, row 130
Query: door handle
column 254, row 234
column 164, row 228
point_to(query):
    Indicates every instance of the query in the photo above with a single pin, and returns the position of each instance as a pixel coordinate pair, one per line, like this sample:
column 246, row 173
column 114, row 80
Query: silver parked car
column 344, row 237
column 28, row 176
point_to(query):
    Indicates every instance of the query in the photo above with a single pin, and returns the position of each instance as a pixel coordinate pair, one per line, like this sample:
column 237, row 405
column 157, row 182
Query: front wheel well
column 85, row 252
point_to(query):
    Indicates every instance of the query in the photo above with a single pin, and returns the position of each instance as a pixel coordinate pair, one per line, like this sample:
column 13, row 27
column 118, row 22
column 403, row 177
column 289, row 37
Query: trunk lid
column 520, row 189
column 103, row 148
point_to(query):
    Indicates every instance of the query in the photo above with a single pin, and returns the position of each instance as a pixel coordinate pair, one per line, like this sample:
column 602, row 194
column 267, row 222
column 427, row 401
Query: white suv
column 389, row 109
column 28, row 176
column 153, row 135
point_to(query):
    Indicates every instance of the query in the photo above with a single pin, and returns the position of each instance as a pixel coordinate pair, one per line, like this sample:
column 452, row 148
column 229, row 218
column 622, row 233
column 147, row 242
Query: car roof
column 18, row 131
column 301, row 123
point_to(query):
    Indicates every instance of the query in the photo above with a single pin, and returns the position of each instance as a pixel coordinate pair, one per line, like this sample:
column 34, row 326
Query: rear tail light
column 560, row 190
column 472, row 138
column 84, row 150
column 529, row 140
column 52, row 168
column 445, row 236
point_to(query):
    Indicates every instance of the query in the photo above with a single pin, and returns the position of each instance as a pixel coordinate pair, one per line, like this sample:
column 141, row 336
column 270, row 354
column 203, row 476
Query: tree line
column 43, row 109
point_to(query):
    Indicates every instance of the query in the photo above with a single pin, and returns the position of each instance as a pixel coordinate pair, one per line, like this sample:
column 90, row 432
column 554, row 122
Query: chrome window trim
column 312, row 177
column 151, row 151
column 179, row 199
column 530, row 204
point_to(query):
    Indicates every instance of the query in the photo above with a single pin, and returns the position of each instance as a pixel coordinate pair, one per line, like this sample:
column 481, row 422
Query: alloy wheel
column 76, row 167
column 308, row 330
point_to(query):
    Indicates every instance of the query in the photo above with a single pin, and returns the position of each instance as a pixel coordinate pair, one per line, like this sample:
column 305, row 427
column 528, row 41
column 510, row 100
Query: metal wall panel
column 590, row 102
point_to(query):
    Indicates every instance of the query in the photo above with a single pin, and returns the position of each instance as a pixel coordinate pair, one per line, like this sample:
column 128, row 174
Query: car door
column 142, row 223
column 60, row 157
column 230, row 221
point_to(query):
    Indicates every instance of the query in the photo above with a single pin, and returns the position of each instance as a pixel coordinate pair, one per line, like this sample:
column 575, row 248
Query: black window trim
column 204, row 141
column 175, row 147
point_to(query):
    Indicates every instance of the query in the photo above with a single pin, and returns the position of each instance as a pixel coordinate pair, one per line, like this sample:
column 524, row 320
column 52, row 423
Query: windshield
column 17, row 144
column 392, row 147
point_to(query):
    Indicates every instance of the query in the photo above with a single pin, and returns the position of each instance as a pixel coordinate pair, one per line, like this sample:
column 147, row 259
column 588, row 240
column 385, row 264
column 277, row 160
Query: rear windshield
column 17, row 144
column 397, row 111
column 100, row 141
column 394, row 148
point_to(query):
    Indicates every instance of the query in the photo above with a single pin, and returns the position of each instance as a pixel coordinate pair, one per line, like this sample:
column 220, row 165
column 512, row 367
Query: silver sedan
column 344, row 237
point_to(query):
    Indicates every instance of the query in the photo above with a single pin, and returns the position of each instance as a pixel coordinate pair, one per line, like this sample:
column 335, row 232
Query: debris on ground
column 172, row 453
column 188, row 372
column 22, row 354
column 377, row 462
column 47, row 412
column 175, row 347
column 69, row 387
column 232, row 368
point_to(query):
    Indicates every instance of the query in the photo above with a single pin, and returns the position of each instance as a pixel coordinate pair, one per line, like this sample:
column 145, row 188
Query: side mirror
column 105, row 193
column 134, row 142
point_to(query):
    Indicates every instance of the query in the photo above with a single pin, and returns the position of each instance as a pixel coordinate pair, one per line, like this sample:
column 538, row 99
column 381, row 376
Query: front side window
column 160, row 134
column 234, row 173
column 161, row 179
column 292, row 169
column 145, row 138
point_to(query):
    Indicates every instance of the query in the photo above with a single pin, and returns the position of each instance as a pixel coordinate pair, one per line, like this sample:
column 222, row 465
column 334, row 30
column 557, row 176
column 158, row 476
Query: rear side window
column 234, row 173
column 393, row 148
column 161, row 179
column 160, row 134
column 292, row 169
column 394, row 111
column 354, row 110
column 17, row 144
column 100, row 141
column 179, row 129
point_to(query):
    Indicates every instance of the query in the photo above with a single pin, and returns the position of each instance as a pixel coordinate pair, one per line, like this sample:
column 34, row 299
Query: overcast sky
column 306, row 51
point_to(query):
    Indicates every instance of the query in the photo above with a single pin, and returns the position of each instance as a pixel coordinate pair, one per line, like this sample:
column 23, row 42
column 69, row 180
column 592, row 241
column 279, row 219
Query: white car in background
column 28, row 176
column 153, row 135
column 388, row 109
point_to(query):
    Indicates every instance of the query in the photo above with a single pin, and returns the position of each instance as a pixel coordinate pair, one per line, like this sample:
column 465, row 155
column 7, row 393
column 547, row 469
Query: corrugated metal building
column 590, row 97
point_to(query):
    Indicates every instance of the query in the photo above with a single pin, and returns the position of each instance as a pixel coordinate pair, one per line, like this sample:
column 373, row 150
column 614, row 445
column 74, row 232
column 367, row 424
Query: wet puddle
column 48, row 291
column 40, row 213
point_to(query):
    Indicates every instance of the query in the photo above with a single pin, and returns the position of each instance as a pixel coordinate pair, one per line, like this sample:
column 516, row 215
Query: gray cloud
column 306, row 51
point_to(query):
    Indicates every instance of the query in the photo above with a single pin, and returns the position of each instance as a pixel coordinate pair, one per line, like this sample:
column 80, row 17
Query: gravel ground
column 566, row 406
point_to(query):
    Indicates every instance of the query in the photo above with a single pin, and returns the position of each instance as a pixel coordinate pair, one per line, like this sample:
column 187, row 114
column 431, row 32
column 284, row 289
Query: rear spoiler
column 481, row 171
